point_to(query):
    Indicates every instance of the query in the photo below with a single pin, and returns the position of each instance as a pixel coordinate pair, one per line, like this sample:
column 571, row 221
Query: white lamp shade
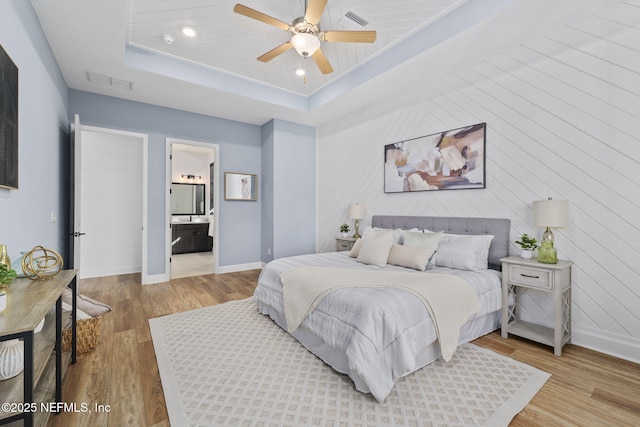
column 305, row 44
column 551, row 213
column 356, row 211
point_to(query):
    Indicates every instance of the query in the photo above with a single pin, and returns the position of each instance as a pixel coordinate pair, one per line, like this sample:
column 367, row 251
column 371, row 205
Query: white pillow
column 375, row 247
column 429, row 240
column 410, row 256
column 464, row 252
column 403, row 232
column 355, row 249
column 397, row 233
column 422, row 240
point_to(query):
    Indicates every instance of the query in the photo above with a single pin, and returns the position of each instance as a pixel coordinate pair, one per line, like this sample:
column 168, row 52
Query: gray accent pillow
column 90, row 306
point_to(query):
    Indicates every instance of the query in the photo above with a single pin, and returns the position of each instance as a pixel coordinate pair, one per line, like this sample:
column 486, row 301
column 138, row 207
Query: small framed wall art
column 240, row 186
column 450, row 160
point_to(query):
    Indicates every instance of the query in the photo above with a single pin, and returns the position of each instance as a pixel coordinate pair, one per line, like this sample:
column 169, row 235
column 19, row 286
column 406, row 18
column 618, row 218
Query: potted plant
column 527, row 244
column 344, row 229
column 6, row 275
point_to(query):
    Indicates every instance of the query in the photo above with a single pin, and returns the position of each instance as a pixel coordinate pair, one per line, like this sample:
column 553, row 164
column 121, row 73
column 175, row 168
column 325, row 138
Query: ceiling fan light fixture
column 300, row 72
column 305, row 44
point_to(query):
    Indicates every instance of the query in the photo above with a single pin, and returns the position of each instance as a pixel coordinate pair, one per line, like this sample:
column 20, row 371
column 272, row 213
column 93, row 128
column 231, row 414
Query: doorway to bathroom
column 192, row 208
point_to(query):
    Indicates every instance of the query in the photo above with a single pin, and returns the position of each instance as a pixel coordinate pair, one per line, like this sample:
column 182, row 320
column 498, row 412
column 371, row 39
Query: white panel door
column 110, row 203
column 76, row 235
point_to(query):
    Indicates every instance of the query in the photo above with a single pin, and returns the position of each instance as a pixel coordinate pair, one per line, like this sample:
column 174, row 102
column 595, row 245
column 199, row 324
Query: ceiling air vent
column 109, row 81
column 353, row 21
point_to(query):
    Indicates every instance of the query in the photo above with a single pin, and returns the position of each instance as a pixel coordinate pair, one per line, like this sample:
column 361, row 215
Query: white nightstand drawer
column 344, row 244
column 531, row 277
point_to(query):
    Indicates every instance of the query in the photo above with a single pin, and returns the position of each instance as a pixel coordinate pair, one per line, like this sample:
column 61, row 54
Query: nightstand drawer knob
column 529, row 276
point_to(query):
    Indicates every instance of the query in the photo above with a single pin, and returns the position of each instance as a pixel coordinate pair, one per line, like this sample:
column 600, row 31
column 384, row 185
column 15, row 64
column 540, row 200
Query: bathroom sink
column 187, row 220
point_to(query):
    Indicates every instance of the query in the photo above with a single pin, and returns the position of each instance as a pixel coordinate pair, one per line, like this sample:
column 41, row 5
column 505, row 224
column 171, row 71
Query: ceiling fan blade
column 350, row 36
column 314, row 11
column 275, row 52
column 254, row 14
column 322, row 62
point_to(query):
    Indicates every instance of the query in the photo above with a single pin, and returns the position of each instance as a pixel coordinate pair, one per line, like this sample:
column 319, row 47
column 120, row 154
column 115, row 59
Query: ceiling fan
column 306, row 34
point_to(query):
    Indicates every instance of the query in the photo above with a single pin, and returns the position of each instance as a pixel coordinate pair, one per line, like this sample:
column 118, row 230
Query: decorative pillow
column 355, row 249
column 464, row 252
column 397, row 233
column 429, row 240
column 90, row 306
column 410, row 256
column 375, row 247
column 404, row 232
column 423, row 240
column 80, row 315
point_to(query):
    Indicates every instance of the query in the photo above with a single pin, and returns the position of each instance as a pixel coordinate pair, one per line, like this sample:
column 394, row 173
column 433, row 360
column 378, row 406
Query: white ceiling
column 231, row 42
column 119, row 44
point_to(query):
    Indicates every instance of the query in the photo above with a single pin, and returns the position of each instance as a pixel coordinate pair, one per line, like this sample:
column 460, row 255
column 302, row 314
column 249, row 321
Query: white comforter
column 381, row 330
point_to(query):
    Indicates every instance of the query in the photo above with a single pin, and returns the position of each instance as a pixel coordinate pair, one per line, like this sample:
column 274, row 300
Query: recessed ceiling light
column 188, row 31
column 300, row 72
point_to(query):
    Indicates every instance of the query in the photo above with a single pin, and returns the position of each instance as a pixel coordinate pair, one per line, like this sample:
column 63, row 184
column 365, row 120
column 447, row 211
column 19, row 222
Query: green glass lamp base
column 547, row 254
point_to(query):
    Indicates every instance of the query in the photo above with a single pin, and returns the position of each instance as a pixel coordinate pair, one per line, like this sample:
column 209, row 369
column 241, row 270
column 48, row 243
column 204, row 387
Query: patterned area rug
column 228, row 365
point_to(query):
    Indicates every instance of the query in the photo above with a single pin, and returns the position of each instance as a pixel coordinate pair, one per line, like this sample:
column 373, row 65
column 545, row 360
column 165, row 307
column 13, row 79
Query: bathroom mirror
column 240, row 186
column 187, row 199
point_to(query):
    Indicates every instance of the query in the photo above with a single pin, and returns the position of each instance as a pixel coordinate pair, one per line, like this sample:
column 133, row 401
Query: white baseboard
column 626, row 348
column 156, row 278
column 160, row 278
column 87, row 274
column 239, row 267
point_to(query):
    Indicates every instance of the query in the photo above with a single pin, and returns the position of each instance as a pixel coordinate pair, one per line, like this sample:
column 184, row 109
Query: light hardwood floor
column 586, row 388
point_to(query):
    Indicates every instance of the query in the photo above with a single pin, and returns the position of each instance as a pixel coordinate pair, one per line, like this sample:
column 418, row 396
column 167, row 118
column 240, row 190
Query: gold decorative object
column 4, row 256
column 41, row 263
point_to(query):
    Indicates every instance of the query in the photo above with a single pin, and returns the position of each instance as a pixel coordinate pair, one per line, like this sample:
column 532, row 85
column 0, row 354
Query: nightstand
column 345, row 243
column 519, row 275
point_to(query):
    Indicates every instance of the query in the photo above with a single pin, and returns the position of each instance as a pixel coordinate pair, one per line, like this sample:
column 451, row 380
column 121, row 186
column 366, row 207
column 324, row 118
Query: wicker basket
column 87, row 333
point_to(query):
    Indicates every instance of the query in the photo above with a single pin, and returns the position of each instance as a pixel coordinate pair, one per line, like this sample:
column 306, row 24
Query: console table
column 28, row 302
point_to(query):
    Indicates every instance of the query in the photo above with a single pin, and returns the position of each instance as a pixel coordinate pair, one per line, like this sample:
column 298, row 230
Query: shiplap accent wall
column 563, row 116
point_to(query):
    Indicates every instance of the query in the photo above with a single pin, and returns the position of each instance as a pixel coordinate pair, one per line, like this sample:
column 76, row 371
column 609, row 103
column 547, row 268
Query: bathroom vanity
column 190, row 237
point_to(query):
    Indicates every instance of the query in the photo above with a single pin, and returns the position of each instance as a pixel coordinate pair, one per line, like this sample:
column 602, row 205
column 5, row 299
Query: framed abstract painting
column 450, row 160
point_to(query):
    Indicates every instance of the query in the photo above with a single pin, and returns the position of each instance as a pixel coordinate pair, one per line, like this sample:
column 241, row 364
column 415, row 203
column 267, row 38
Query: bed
column 376, row 335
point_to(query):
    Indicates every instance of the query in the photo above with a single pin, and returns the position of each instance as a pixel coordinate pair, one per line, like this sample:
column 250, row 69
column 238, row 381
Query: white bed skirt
column 337, row 359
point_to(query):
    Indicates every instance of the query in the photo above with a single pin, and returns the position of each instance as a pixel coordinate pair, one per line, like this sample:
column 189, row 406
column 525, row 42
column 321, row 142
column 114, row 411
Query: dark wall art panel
column 450, row 160
column 8, row 122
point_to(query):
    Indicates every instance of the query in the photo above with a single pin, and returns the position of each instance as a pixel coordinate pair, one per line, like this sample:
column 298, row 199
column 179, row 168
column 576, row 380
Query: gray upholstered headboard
column 498, row 227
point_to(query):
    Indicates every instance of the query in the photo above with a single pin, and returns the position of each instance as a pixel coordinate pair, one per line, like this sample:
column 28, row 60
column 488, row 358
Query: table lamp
column 356, row 212
column 549, row 213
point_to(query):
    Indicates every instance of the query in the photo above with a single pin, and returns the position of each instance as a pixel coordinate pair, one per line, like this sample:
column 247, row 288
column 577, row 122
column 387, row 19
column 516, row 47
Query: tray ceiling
column 231, row 43
column 117, row 48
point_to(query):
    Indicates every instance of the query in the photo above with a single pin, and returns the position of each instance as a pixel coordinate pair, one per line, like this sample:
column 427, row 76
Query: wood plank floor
column 586, row 388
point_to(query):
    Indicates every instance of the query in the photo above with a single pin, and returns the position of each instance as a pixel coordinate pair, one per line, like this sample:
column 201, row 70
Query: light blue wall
column 25, row 214
column 267, row 190
column 240, row 151
column 289, row 160
column 282, row 219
